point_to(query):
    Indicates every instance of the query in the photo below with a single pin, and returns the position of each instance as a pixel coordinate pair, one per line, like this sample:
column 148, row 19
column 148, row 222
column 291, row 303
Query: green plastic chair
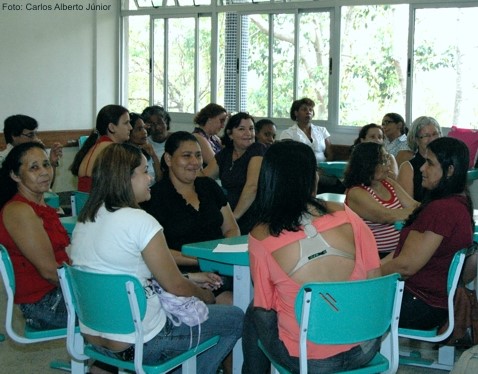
column 472, row 175
column 336, row 168
column 446, row 354
column 81, row 140
column 114, row 303
column 78, row 201
column 350, row 312
column 52, row 199
column 30, row 335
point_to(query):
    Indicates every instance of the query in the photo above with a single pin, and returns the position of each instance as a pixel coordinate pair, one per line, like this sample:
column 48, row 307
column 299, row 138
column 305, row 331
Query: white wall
column 59, row 67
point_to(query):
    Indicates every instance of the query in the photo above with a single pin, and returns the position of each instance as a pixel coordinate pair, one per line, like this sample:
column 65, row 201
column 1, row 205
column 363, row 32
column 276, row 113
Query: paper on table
column 231, row 248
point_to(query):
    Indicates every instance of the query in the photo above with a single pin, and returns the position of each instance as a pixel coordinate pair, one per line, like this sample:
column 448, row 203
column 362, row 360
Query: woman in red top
column 33, row 235
column 112, row 126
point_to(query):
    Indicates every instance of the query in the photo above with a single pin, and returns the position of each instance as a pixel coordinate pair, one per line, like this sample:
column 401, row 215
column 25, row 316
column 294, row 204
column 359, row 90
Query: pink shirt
column 274, row 289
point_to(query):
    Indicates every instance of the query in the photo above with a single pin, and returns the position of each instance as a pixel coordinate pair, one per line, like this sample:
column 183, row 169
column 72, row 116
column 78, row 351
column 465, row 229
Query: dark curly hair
column 297, row 104
column 362, row 164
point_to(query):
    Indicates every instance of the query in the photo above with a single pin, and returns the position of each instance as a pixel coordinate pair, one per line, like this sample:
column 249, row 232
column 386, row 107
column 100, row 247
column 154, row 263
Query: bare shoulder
column 404, row 155
column 333, row 206
column 260, row 232
column 18, row 213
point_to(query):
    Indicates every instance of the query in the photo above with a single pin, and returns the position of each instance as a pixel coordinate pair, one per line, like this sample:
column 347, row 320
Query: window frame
column 271, row 8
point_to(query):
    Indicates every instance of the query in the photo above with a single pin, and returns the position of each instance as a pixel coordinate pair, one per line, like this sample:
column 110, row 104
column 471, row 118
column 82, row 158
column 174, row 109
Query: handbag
column 182, row 309
column 469, row 137
column 465, row 332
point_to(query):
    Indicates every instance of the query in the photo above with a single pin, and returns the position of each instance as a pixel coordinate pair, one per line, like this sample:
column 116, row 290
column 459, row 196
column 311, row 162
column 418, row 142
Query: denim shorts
column 47, row 313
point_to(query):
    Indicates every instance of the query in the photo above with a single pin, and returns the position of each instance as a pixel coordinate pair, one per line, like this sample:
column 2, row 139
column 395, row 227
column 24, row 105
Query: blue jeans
column 225, row 321
column 261, row 323
column 47, row 313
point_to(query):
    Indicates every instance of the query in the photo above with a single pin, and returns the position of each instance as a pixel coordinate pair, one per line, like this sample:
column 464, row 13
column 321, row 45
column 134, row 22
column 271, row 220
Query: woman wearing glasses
column 374, row 196
column 423, row 131
column 19, row 129
column 395, row 131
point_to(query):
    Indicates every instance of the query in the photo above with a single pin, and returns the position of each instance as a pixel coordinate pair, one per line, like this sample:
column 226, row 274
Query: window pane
column 204, row 68
column 283, row 65
column 158, row 68
column 181, row 70
column 445, row 83
column 221, row 60
column 138, row 63
column 257, row 62
column 373, row 63
column 314, row 53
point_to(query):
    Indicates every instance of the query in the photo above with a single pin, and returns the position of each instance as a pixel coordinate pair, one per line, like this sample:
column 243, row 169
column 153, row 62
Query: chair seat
column 32, row 333
column 91, row 352
column 418, row 333
column 378, row 364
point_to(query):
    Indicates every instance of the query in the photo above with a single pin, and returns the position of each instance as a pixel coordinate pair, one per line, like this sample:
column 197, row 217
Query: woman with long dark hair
column 299, row 239
column 112, row 126
column 436, row 230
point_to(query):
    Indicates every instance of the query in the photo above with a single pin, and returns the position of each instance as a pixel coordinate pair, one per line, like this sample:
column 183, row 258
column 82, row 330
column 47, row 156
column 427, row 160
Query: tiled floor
column 35, row 358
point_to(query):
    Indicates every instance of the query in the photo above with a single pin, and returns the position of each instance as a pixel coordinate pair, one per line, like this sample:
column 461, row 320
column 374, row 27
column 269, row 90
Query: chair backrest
column 454, row 273
column 6, row 269
column 78, row 200
column 101, row 300
column 29, row 335
column 433, row 335
column 336, row 168
column 347, row 312
column 82, row 140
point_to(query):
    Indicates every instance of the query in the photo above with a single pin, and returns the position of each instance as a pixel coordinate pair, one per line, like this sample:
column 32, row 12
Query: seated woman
column 265, row 132
column 423, row 131
column 441, row 226
column 375, row 197
column 189, row 208
column 237, row 166
column 112, row 126
column 33, row 235
column 139, row 137
column 374, row 133
column 210, row 120
column 115, row 236
column 289, row 217
column 395, row 130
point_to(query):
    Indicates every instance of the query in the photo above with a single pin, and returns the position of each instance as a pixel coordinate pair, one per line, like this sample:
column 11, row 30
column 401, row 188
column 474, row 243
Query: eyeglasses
column 426, row 136
column 156, row 124
column 387, row 122
column 30, row 135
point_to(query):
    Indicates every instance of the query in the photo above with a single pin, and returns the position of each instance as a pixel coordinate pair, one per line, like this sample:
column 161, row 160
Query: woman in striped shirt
column 375, row 197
